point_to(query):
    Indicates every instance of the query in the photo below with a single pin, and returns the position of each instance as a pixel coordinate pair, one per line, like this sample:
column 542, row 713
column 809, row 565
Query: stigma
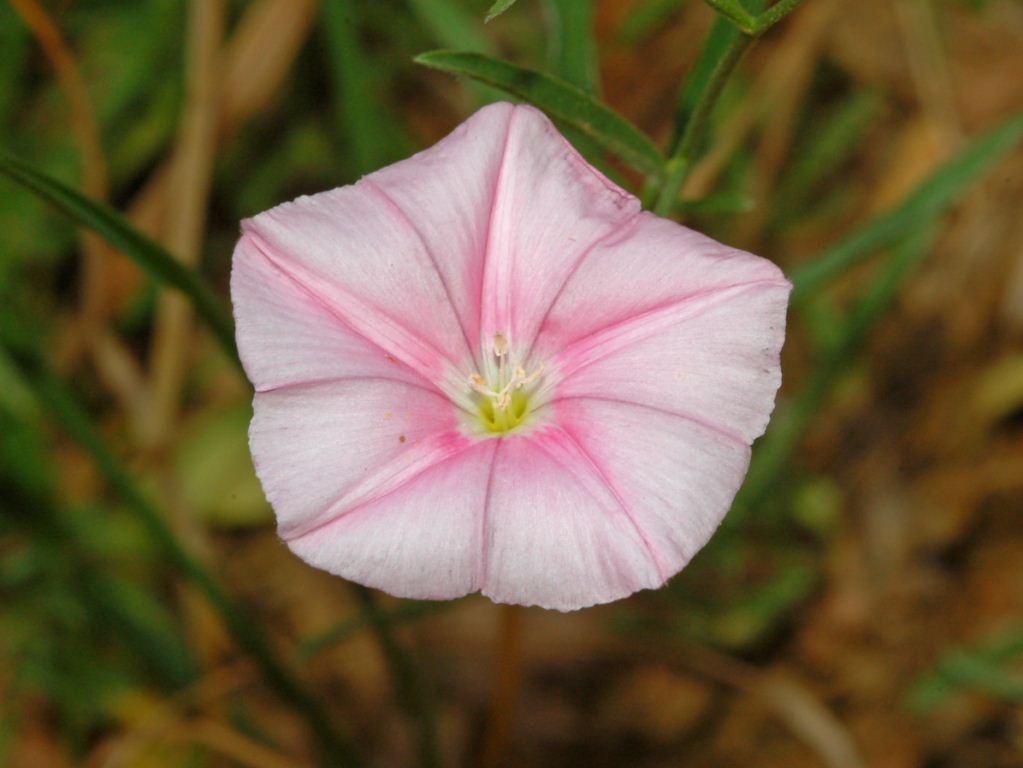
column 502, row 398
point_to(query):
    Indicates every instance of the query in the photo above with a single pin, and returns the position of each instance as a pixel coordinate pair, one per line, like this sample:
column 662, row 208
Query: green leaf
column 573, row 51
column 736, row 13
column 561, row 100
column 719, row 203
column 747, row 22
column 153, row 258
column 499, row 7
column 923, row 205
column 356, row 107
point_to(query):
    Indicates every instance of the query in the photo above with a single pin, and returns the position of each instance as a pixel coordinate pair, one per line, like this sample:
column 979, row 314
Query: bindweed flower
column 484, row 368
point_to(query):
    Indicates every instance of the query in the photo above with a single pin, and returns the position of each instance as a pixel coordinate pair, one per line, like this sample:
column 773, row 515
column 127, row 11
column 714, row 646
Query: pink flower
column 484, row 368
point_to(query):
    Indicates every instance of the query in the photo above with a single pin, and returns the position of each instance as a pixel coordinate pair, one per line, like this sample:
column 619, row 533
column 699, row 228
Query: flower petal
column 356, row 255
column 676, row 476
column 422, row 540
column 556, row 536
column 550, row 208
column 287, row 336
column 510, row 207
column 649, row 263
column 444, row 196
column 698, row 331
column 322, row 449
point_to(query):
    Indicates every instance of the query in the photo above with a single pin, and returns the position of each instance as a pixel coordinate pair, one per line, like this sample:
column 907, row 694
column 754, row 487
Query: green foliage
column 358, row 112
column 830, row 141
column 561, row 100
column 121, row 235
column 84, row 614
column 983, row 668
column 572, row 49
column 62, row 405
column 750, row 23
column 644, row 17
column 499, row 7
column 776, row 447
column 452, row 27
column 935, row 195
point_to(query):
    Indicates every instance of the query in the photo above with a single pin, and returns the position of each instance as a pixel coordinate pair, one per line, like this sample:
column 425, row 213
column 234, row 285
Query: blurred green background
column 861, row 605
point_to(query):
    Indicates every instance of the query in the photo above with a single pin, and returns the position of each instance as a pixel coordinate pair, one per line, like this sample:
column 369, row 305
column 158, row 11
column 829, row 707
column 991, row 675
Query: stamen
column 500, row 345
column 503, row 407
column 501, row 351
column 477, row 384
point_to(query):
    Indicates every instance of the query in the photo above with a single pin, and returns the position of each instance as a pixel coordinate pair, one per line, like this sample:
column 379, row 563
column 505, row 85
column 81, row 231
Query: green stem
column 335, row 749
column 735, row 13
column 407, row 683
column 746, row 21
column 681, row 162
column 773, row 15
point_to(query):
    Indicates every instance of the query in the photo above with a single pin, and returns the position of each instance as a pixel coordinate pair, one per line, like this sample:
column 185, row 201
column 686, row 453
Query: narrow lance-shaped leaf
column 110, row 225
column 499, row 7
column 929, row 200
column 722, row 35
column 561, row 100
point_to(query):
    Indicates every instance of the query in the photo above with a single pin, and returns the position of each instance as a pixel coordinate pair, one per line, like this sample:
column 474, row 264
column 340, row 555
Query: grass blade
column 561, row 100
column 113, row 228
column 929, row 200
column 833, row 141
column 573, row 52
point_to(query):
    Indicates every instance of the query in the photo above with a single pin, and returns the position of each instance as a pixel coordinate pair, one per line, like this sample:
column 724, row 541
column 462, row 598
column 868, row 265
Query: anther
column 500, row 345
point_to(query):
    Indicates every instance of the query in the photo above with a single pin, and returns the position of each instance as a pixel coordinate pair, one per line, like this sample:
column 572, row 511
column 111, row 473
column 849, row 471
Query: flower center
column 503, row 399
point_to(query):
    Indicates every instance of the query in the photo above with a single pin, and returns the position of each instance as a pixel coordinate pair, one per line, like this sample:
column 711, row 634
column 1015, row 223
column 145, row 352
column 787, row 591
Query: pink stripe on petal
column 362, row 260
column 420, row 540
column 556, row 535
column 320, row 449
column 649, row 264
column 677, row 476
column 446, row 195
column 288, row 336
column 715, row 357
column 549, row 209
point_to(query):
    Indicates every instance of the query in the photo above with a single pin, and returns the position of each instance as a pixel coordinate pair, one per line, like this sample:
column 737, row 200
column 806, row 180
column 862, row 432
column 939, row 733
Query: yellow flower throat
column 503, row 405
